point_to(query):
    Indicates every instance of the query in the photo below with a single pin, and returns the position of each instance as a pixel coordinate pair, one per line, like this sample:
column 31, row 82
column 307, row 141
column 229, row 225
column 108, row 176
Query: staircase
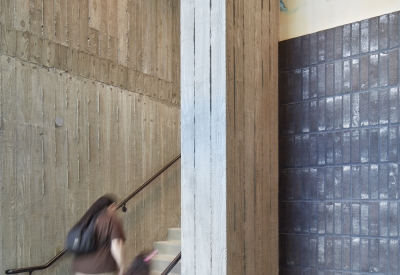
column 167, row 251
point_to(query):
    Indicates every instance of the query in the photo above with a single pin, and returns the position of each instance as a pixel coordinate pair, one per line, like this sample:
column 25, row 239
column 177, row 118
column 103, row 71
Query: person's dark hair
column 99, row 205
column 138, row 266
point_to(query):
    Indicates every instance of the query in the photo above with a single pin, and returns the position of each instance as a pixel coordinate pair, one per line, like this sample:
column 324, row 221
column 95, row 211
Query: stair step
column 167, row 251
column 168, row 247
column 160, row 262
column 174, row 234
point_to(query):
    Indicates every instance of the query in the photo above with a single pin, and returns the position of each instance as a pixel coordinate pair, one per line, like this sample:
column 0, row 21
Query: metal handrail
column 39, row 267
column 172, row 264
column 121, row 204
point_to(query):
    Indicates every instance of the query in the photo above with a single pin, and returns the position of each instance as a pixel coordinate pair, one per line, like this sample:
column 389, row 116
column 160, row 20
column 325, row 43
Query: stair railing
column 121, row 204
column 172, row 264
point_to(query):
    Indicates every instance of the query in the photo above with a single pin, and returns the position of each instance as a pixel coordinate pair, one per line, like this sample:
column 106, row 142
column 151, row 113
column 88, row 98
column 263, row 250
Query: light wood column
column 229, row 136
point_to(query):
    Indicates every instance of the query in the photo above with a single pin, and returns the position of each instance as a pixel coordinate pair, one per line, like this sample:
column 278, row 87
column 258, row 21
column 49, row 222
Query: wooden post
column 229, row 136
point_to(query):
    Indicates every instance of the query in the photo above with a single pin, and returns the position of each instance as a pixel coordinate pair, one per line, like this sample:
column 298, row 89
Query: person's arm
column 118, row 253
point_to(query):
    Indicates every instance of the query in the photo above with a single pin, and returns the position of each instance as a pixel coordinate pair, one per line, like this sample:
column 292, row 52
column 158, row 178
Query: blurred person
column 141, row 264
column 108, row 259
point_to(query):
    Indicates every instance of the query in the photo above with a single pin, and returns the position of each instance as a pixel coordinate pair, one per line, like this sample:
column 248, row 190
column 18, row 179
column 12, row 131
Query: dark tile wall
column 339, row 150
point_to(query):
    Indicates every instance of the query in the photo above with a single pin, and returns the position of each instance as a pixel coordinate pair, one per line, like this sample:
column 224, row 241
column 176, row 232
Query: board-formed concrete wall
column 109, row 72
column 229, row 137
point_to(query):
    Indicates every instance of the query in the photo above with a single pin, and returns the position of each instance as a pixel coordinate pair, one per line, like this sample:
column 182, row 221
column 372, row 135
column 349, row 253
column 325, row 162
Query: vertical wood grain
column 151, row 139
column 36, row 4
column 35, row 151
column 113, row 51
column 23, row 98
column 138, row 170
column 122, row 23
column 83, row 25
column 103, row 29
column 252, row 73
column 93, row 43
column 22, row 50
column 9, row 41
column 112, row 16
column 35, row 49
column 7, row 13
column 164, row 39
column 160, row 46
column 95, row 14
column 21, row 195
column 1, row 166
column 83, row 144
column 35, row 21
column 259, row 131
column 122, row 77
column 35, row 192
column 8, row 159
column 249, row 123
column 48, row 53
column 73, row 23
column 22, row 167
column 230, row 125
column 173, row 74
column 126, row 142
column 163, row 120
column 48, row 20
column 131, row 80
column 1, row 102
column 104, row 70
column 139, row 45
column 263, row 180
column 93, row 142
column 59, row 181
column 218, row 138
column 49, row 220
column 268, row 179
column 147, row 206
column 202, row 144
column 60, row 6
column 273, row 138
column 126, row 150
column 75, row 206
column 104, row 131
column 95, row 64
column 117, row 148
column 237, row 146
column 113, row 162
column 36, row 96
column 149, row 22
column 21, row 19
column 131, row 45
column 153, row 62
column 187, row 134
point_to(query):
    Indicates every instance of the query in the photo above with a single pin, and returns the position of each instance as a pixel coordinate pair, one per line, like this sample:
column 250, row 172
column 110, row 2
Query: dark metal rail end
column 172, row 264
column 36, row 268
